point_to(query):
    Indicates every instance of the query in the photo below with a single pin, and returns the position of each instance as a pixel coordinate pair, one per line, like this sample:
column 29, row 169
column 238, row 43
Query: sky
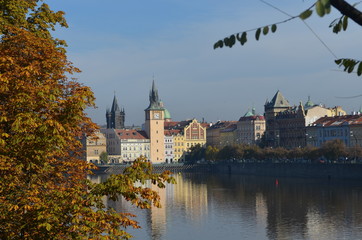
column 121, row 46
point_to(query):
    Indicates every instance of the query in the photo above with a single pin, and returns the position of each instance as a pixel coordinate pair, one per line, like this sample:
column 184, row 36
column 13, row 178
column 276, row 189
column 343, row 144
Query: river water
column 222, row 206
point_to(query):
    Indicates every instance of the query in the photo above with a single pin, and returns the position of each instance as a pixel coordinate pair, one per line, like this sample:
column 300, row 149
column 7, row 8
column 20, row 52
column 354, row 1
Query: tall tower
column 154, row 126
column 278, row 104
column 115, row 117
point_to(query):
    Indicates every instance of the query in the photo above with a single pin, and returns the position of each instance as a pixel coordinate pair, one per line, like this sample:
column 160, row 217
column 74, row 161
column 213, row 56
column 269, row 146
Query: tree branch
column 346, row 9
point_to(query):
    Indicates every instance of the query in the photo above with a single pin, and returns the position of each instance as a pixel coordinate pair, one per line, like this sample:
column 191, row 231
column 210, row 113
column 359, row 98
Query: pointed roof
column 278, row 101
column 115, row 107
column 155, row 103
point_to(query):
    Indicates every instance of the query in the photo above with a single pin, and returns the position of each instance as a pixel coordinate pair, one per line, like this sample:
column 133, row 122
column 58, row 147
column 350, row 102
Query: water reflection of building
column 191, row 196
column 157, row 216
column 261, row 210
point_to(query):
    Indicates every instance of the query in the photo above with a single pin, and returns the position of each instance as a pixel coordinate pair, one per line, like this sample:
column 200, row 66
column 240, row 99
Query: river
column 222, row 206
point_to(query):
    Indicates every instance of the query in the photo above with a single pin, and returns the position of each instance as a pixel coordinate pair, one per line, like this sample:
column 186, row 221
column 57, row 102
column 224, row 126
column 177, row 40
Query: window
column 95, row 151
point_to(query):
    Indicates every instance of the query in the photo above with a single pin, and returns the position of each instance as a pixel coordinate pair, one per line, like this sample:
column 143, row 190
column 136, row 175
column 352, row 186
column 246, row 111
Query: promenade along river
column 222, row 206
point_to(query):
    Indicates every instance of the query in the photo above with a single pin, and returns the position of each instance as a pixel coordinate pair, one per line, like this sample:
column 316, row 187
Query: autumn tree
column 334, row 149
column 211, row 153
column 44, row 191
column 104, row 157
column 322, row 8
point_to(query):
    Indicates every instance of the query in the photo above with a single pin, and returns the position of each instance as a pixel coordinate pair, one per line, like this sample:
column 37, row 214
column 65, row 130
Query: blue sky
column 121, row 45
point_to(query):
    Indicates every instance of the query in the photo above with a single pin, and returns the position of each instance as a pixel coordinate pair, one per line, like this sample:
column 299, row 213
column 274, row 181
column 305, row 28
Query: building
column 286, row 125
column 272, row 109
column 154, row 126
column 314, row 111
column 169, row 147
column 185, row 134
column 250, row 128
column 94, row 146
column 347, row 128
column 179, row 145
column 221, row 133
column 291, row 127
column 126, row 145
column 228, row 135
column 115, row 117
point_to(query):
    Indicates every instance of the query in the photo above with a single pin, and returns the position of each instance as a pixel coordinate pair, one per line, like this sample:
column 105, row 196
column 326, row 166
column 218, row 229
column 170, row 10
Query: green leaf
column 219, row 44
column 257, row 34
column 338, row 61
column 306, row 14
column 265, row 30
column 232, row 40
column 345, row 23
column 48, row 226
column 243, row 38
column 359, row 70
column 350, row 68
column 320, row 8
column 325, row 2
column 226, row 41
column 273, row 28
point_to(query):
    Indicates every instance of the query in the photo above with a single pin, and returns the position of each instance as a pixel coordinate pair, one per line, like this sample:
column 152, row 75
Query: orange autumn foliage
column 44, row 191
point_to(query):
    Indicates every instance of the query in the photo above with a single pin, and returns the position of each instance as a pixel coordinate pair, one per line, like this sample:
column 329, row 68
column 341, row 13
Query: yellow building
column 221, row 133
column 194, row 134
column 94, row 146
column 186, row 134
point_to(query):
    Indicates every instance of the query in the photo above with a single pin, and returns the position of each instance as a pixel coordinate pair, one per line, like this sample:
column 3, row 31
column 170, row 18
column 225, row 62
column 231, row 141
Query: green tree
column 104, row 157
column 321, row 7
column 44, row 191
column 334, row 149
column 211, row 153
column 197, row 153
column 228, row 152
column 32, row 15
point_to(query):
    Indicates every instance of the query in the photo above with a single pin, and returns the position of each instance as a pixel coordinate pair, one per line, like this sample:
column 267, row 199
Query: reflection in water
column 206, row 206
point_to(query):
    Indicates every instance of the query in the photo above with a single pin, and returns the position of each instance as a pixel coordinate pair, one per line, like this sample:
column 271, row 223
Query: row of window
column 135, row 155
column 333, row 133
column 135, row 148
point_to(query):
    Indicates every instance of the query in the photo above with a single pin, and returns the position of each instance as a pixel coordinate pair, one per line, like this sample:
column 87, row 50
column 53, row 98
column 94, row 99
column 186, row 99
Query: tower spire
column 154, row 99
column 115, row 117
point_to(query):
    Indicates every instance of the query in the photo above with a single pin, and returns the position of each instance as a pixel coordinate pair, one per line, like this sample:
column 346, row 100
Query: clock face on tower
column 156, row 115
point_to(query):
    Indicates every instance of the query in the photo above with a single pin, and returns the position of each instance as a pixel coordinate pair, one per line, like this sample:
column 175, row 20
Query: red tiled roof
column 257, row 117
column 222, row 124
column 229, row 128
column 130, row 134
column 172, row 132
column 338, row 120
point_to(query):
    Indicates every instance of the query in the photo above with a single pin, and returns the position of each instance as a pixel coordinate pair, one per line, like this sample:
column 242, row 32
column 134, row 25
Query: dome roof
column 167, row 114
column 309, row 103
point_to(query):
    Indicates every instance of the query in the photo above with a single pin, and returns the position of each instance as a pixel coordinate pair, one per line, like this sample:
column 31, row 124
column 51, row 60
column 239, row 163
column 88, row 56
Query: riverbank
column 307, row 170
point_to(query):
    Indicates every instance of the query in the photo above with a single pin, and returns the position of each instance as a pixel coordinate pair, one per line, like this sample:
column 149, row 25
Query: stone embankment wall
column 328, row 171
column 157, row 168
